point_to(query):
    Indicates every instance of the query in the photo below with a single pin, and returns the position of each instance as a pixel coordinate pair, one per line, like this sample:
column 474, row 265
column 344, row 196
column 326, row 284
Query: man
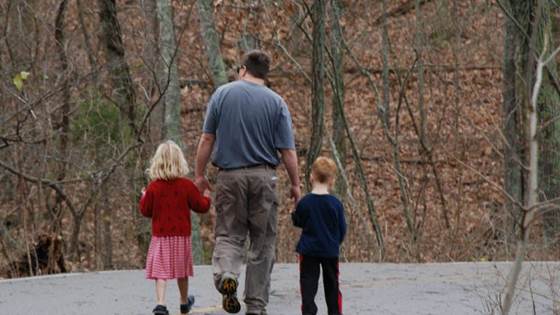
column 246, row 126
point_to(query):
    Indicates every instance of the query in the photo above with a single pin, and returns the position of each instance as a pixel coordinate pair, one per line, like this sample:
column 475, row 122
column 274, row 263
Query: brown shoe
column 228, row 289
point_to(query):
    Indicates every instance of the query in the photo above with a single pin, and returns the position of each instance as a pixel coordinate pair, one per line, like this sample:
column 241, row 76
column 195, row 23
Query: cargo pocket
column 225, row 205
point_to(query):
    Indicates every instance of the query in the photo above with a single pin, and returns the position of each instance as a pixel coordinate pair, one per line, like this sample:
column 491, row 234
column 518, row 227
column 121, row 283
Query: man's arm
column 205, row 146
column 289, row 158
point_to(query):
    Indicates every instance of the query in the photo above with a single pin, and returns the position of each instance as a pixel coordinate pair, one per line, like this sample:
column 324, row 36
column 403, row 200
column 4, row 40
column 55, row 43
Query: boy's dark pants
column 309, row 270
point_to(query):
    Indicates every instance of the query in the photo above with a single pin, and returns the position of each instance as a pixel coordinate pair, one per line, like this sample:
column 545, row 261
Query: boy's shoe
column 228, row 289
column 160, row 310
column 186, row 308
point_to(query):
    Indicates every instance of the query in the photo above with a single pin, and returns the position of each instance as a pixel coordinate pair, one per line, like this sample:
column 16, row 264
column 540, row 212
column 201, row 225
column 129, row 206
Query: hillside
column 445, row 101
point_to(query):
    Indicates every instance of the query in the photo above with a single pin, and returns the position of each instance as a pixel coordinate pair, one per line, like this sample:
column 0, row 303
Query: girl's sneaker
column 186, row 308
column 160, row 310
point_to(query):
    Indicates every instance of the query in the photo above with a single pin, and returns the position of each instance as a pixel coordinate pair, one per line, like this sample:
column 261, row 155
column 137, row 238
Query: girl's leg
column 160, row 291
column 183, row 284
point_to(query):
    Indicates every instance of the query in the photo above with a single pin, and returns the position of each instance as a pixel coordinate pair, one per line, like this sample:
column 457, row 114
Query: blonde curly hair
column 168, row 162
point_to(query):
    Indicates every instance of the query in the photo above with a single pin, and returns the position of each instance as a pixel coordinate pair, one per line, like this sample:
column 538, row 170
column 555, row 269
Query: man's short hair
column 323, row 169
column 257, row 63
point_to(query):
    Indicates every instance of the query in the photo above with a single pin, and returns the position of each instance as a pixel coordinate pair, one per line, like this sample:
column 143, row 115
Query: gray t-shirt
column 251, row 123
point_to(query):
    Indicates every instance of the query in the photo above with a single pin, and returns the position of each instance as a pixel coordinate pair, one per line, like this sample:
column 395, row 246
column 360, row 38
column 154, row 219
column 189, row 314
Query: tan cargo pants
column 246, row 204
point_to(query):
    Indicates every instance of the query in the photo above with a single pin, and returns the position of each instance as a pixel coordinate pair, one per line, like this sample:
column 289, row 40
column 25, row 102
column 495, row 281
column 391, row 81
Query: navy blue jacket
column 321, row 218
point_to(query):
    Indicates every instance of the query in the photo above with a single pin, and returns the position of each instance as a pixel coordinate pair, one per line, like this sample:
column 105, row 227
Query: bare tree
column 549, row 131
column 534, row 42
column 515, row 52
column 212, row 42
column 318, row 78
column 169, row 76
column 123, row 94
column 338, row 91
column 384, row 113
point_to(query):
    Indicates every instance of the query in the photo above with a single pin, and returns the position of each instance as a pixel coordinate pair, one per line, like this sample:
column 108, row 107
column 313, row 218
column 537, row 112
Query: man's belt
column 246, row 167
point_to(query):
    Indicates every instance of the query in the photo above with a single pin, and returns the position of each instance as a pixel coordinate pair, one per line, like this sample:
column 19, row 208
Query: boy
column 321, row 217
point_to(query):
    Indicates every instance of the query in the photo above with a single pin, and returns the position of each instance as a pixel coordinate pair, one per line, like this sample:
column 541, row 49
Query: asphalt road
column 450, row 288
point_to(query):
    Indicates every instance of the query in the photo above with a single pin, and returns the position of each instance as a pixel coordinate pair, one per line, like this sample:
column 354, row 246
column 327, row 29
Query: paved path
column 452, row 288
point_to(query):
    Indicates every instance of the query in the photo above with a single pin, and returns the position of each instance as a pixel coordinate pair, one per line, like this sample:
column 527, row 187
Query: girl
column 168, row 200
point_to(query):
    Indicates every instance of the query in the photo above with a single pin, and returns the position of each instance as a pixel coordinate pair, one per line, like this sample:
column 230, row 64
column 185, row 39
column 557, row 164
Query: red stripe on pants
column 300, row 258
column 338, row 285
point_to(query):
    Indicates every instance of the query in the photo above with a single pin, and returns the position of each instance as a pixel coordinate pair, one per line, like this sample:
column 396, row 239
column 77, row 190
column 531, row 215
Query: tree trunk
column 142, row 226
column 107, row 218
column 97, row 234
column 169, row 77
column 123, row 89
column 172, row 99
column 123, row 93
column 338, row 93
column 419, row 42
column 318, row 78
column 218, row 74
column 536, row 37
column 516, row 49
column 87, row 41
column 153, row 63
column 60, row 40
column 75, row 236
column 212, row 42
column 64, row 126
column 22, row 34
column 549, row 137
column 519, row 69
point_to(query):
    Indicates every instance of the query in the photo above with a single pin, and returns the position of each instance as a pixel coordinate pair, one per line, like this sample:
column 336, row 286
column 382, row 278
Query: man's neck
column 320, row 189
column 252, row 79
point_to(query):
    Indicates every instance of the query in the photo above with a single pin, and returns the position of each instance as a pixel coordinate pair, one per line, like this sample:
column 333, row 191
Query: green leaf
column 19, row 78
column 18, row 82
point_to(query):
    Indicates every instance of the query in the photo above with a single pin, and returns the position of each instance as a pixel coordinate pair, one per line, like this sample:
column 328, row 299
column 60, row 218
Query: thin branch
column 293, row 60
column 55, row 186
column 552, row 55
column 57, row 89
column 341, row 169
column 491, row 182
column 401, row 10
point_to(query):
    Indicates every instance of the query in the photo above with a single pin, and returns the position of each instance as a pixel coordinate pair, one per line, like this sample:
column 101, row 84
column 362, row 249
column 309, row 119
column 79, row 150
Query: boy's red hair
column 323, row 169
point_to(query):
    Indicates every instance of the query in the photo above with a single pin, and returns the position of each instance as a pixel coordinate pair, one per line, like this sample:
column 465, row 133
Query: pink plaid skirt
column 169, row 257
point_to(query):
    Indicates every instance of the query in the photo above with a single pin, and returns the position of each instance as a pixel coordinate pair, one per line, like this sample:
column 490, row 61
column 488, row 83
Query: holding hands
column 295, row 193
column 207, row 193
column 203, row 185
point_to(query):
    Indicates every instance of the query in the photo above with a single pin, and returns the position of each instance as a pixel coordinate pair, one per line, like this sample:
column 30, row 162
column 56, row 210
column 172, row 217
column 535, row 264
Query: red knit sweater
column 168, row 203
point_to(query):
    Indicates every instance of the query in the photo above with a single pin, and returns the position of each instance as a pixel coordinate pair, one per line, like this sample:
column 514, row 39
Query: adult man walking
column 246, row 126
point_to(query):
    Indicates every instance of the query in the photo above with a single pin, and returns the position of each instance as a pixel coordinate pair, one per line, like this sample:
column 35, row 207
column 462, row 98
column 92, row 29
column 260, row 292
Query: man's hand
column 202, row 183
column 289, row 157
column 295, row 194
column 202, row 156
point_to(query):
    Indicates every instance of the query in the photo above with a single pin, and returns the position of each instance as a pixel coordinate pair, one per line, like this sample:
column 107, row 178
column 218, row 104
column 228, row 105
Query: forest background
column 422, row 103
